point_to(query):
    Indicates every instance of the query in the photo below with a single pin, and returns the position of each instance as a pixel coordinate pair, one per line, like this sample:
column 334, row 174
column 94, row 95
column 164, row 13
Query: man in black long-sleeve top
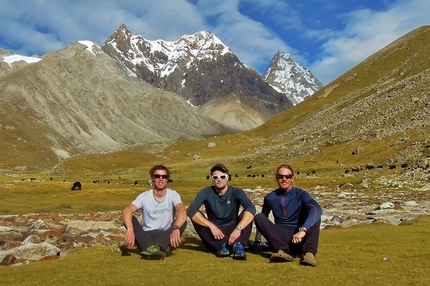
column 224, row 229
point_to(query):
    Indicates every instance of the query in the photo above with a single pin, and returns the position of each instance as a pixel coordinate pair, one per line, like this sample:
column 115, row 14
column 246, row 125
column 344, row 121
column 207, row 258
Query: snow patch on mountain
column 16, row 58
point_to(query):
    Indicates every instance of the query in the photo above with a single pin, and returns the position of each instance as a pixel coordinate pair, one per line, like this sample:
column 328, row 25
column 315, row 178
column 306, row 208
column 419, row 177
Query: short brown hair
column 159, row 167
column 286, row 166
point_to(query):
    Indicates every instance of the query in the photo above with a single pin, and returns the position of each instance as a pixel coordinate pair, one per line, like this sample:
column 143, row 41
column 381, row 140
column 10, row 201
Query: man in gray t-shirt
column 224, row 229
column 164, row 218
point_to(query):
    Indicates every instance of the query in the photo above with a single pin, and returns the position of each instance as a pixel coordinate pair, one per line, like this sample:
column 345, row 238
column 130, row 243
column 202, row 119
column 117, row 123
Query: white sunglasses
column 222, row 177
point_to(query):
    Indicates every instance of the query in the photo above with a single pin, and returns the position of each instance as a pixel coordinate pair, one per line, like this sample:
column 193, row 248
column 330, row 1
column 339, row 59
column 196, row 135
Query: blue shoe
column 239, row 251
column 265, row 247
column 259, row 246
column 223, row 252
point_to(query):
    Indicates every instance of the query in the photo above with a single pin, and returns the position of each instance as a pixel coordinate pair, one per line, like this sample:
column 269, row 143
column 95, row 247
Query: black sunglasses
column 157, row 176
column 222, row 177
column 280, row 176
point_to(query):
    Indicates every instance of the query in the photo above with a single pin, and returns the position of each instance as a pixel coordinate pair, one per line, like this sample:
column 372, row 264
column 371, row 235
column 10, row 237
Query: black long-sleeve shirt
column 221, row 210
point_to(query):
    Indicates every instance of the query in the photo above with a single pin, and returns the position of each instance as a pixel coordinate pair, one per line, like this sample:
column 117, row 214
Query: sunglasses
column 222, row 177
column 280, row 176
column 157, row 176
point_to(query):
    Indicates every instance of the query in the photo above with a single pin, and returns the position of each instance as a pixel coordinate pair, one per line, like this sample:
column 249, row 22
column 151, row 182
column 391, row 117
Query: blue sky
column 327, row 37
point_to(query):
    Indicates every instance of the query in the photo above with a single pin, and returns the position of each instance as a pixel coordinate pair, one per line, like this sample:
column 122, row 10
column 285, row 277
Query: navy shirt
column 287, row 207
column 221, row 210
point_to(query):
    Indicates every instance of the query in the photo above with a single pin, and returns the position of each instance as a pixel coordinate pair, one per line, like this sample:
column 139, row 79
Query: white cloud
column 40, row 26
column 365, row 33
column 252, row 41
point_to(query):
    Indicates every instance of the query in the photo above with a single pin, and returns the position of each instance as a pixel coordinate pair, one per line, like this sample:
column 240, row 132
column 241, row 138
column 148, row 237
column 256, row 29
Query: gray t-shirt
column 157, row 214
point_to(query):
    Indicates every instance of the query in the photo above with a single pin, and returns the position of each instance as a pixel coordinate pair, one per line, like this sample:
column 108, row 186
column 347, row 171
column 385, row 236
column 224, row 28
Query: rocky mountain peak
column 201, row 69
column 290, row 78
column 202, row 44
column 159, row 56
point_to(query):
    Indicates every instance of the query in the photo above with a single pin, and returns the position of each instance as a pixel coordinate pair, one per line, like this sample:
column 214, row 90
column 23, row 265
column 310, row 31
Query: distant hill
column 375, row 113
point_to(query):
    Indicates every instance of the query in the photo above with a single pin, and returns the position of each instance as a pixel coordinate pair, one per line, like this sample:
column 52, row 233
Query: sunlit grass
column 375, row 254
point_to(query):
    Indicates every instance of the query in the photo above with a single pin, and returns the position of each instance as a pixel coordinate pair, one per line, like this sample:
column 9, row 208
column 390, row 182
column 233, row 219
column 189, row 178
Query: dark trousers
column 145, row 239
column 213, row 244
column 280, row 238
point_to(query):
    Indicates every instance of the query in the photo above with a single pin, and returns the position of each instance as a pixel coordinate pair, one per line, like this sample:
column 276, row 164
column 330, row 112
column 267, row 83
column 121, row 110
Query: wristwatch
column 239, row 227
column 175, row 227
column 303, row 229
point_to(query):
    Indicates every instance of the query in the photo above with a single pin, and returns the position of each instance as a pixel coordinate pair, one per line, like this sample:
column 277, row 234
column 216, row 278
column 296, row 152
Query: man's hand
column 175, row 238
column 297, row 238
column 216, row 232
column 129, row 237
column 233, row 236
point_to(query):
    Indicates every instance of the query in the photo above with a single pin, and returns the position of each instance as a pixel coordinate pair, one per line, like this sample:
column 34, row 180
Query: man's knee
column 259, row 218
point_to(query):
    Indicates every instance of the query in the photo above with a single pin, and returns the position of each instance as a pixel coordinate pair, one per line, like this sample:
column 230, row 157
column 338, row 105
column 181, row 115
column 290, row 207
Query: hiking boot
column 223, row 252
column 308, row 259
column 151, row 249
column 281, row 256
column 239, row 251
column 168, row 251
column 153, row 252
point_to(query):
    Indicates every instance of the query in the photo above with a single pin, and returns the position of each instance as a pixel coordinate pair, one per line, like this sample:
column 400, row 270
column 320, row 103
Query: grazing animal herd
column 77, row 186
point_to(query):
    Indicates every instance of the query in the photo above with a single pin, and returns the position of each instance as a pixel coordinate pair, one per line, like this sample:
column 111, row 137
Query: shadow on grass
column 125, row 251
column 188, row 242
column 193, row 243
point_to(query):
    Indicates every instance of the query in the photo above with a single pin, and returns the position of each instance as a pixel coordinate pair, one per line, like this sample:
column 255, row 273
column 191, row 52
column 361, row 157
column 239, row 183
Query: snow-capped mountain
column 163, row 57
column 204, row 71
column 290, row 78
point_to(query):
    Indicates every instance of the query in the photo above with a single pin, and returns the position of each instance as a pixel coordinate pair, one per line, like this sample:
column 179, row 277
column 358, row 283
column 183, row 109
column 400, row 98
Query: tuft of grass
column 369, row 254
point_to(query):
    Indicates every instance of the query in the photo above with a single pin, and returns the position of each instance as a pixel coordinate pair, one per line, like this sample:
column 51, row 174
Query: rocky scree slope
column 382, row 104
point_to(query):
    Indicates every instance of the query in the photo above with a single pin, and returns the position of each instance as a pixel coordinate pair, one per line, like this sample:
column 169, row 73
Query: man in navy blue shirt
column 223, row 229
column 297, row 219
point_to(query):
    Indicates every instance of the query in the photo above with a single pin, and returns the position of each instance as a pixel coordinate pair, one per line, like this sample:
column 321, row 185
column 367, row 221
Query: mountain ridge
column 200, row 68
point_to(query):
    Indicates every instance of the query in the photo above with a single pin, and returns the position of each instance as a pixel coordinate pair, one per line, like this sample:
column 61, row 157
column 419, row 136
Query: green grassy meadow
column 375, row 254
